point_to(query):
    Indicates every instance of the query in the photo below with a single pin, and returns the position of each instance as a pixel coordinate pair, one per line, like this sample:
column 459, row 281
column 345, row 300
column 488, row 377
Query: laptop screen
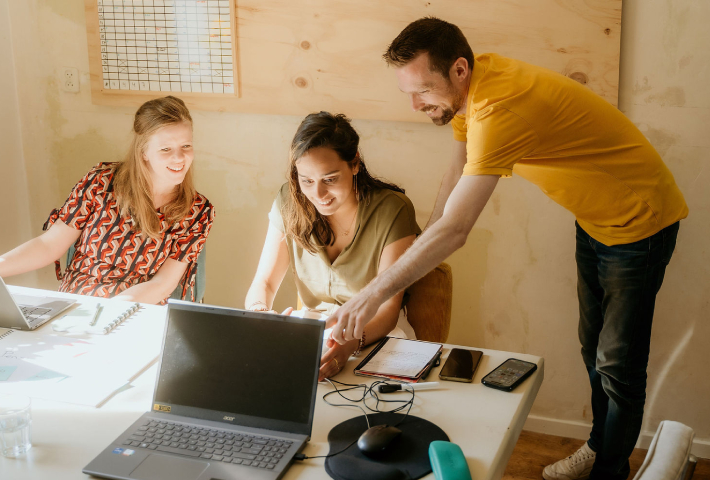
column 238, row 367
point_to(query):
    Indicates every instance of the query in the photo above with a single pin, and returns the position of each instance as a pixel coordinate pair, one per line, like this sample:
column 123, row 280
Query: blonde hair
column 132, row 181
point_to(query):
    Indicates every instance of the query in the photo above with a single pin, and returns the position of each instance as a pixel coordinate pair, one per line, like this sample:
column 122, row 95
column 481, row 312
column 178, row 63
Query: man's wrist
column 373, row 291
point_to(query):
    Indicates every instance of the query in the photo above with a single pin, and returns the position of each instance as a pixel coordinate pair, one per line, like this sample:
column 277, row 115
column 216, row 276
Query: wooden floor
column 536, row 450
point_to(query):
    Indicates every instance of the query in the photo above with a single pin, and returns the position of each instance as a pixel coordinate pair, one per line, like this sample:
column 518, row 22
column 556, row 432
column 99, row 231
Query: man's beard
column 448, row 112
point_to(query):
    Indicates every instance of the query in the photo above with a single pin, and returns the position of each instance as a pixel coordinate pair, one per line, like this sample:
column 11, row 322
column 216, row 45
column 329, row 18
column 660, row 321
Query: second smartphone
column 461, row 365
column 509, row 374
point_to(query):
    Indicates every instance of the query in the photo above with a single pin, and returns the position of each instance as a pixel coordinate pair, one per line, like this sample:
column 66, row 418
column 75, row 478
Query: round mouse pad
column 407, row 457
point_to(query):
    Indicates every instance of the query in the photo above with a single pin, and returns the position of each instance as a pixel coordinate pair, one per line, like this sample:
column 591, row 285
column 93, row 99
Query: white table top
column 484, row 422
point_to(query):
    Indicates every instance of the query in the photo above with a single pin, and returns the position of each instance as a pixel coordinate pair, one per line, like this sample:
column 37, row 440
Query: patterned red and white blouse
column 110, row 255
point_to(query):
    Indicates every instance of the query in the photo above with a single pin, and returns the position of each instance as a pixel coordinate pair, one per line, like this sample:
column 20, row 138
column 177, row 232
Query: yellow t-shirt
column 324, row 286
column 580, row 150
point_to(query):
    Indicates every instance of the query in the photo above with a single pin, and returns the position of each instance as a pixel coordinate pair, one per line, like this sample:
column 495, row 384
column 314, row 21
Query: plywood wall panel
column 299, row 56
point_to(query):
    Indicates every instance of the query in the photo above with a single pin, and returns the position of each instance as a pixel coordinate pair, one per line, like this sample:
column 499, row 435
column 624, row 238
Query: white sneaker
column 577, row 466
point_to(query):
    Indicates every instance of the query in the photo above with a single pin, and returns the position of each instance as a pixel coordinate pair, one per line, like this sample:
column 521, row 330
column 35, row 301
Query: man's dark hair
column 443, row 41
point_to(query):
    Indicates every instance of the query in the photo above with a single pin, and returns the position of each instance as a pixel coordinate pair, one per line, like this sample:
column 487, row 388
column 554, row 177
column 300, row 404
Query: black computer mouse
column 376, row 439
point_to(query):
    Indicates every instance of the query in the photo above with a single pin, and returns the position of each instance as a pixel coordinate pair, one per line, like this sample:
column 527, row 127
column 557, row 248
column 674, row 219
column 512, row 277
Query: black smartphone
column 461, row 365
column 509, row 374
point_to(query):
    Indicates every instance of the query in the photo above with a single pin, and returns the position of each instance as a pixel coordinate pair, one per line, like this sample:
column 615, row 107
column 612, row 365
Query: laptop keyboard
column 33, row 313
column 213, row 444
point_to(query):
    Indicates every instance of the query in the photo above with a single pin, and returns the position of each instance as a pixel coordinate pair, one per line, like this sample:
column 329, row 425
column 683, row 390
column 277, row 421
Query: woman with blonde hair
column 138, row 225
column 335, row 227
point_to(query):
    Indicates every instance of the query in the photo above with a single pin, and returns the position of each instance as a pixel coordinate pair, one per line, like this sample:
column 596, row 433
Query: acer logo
column 229, row 419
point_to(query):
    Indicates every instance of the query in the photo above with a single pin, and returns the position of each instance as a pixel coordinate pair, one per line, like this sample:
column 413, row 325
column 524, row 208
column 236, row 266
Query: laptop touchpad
column 173, row 468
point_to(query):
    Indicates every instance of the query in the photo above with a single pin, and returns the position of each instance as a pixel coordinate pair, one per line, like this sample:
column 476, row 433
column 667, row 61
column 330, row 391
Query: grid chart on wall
column 166, row 45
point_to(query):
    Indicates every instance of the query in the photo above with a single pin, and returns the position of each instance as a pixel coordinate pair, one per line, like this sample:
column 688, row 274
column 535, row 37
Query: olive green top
column 322, row 286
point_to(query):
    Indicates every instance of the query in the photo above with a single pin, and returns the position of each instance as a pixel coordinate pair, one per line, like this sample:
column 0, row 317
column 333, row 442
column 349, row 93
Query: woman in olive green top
column 336, row 227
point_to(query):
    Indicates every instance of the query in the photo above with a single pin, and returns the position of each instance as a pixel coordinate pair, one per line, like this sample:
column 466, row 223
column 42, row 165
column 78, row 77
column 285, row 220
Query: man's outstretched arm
column 439, row 241
column 451, row 178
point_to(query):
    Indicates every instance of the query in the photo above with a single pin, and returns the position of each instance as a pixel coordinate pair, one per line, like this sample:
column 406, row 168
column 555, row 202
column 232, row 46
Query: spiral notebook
column 400, row 359
column 108, row 315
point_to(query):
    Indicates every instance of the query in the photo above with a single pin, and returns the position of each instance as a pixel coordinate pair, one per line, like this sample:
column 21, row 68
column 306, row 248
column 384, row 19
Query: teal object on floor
column 447, row 461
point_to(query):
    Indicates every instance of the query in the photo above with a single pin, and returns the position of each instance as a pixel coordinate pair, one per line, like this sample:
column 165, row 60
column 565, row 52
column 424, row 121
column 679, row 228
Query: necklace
column 346, row 232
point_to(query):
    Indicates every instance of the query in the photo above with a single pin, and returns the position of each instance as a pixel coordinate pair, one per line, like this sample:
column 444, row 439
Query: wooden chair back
column 429, row 306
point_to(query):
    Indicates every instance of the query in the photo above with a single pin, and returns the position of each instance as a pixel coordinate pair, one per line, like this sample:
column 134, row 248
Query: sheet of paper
column 80, row 368
column 79, row 391
column 400, row 357
column 6, row 371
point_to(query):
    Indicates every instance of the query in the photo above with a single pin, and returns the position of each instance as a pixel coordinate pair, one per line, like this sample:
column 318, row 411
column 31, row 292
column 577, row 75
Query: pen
column 407, row 386
column 97, row 313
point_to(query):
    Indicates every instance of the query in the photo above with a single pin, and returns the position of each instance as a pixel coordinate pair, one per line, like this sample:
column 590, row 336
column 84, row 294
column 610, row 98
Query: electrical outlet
column 70, row 79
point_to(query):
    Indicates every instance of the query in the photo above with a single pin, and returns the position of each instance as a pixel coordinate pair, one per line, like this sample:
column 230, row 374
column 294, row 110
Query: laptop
column 28, row 312
column 234, row 399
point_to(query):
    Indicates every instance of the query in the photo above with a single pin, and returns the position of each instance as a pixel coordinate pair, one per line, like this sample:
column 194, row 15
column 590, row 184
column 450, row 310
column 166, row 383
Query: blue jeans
column 617, row 289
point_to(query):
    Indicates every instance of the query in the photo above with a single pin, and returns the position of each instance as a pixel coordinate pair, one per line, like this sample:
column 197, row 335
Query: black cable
column 339, row 392
column 324, row 456
column 406, row 403
column 366, row 390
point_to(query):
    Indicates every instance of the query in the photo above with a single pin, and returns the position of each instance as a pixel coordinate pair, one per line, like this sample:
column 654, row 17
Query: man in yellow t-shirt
column 511, row 117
